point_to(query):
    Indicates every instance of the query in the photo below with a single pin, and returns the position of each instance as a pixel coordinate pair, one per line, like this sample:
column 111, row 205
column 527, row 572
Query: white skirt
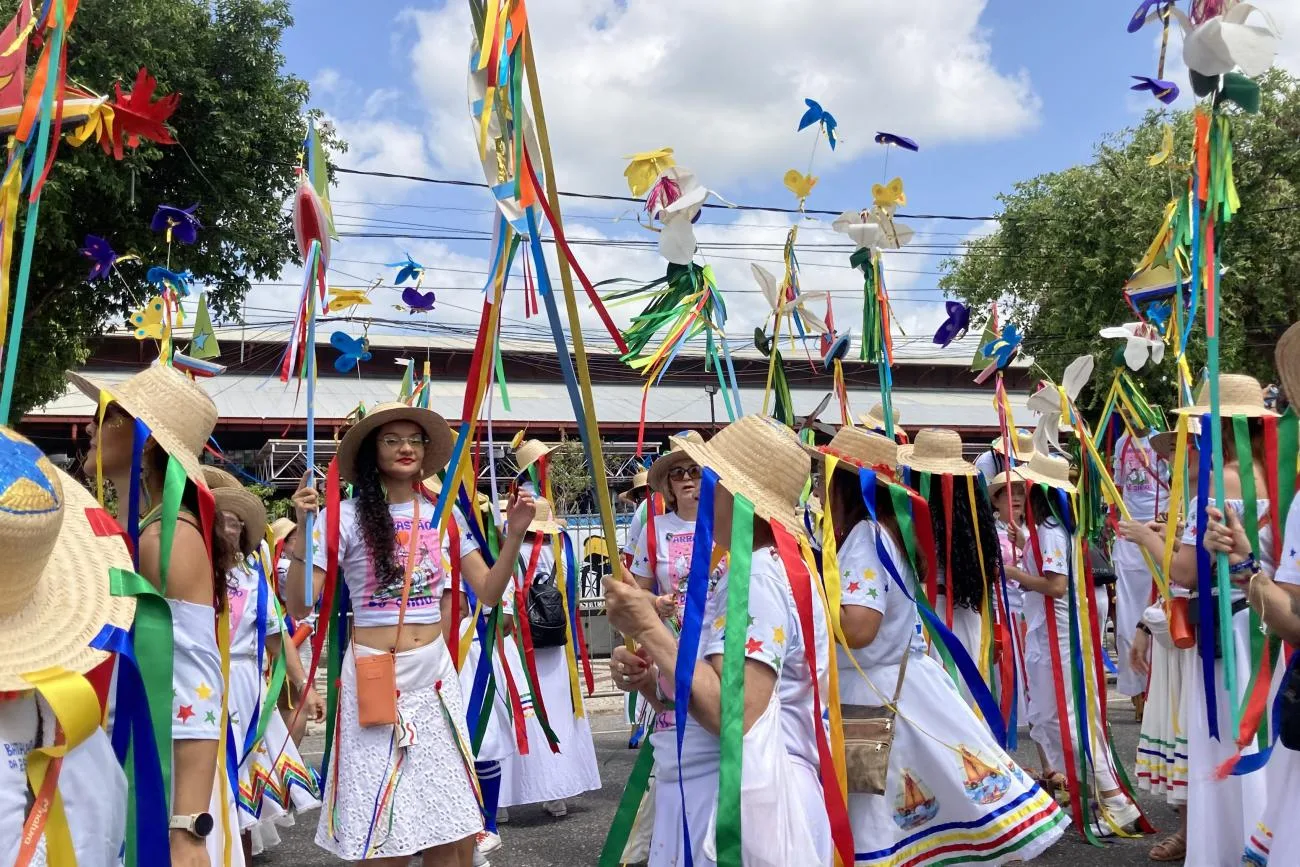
column 383, row 800
column 1276, row 838
column 542, row 775
column 951, row 791
column 1133, row 584
column 1162, row 743
column 499, row 737
column 667, row 843
column 1221, row 814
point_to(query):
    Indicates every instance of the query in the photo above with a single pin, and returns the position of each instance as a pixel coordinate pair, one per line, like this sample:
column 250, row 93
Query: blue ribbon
column 141, row 436
column 263, row 592
column 965, row 666
column 1205, row 635
column 571, row 584
column 697, row 593
column 133, row 741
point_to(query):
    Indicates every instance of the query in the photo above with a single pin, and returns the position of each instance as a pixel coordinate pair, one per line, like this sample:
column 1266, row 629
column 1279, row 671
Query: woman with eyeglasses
column 400, row 779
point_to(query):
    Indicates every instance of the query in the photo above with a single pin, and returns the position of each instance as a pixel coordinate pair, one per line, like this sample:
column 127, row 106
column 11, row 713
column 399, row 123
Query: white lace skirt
column 383, row 800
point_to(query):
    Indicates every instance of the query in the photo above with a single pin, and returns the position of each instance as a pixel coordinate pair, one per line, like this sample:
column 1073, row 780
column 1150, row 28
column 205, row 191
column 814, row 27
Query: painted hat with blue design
column 60, row 548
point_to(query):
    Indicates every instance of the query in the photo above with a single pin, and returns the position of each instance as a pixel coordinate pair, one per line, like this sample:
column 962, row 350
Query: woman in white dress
column 545, row 776
column 394, row 563
column 950, row 791
column 55, row 598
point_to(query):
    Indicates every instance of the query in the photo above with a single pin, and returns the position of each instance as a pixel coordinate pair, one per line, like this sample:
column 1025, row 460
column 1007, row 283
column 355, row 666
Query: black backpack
column 546, row 612
column 1289, row 730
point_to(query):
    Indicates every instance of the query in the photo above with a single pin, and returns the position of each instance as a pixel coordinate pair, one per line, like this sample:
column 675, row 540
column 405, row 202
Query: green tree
column 240, row 127
column 1067, row 241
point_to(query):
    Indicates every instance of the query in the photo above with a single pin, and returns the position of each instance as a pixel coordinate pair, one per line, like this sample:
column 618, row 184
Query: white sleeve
column 863, row 580
column 641, row 565
column 1288, row 570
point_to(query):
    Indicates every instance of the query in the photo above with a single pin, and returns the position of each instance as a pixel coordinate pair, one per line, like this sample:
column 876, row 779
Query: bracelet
column 1247, row 565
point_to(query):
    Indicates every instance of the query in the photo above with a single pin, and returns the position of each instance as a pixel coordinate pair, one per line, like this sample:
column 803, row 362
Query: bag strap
column 902, row 670
column 412, row 546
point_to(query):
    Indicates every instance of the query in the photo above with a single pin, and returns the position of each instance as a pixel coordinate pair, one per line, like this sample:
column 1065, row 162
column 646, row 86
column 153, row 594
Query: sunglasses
column 681, row 474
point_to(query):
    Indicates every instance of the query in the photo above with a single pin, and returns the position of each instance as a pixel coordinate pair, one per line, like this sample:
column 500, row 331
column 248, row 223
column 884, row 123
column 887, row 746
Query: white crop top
column 373, row 605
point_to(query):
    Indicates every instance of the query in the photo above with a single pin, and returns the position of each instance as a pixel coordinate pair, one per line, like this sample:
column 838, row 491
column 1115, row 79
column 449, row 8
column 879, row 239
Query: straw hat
column 657, row 475
column 1000, row 481
column 530, row 453
column 639, row 481
column 762, row 460
column 1051, row 471
column 231, row 496
column 180, row 415
column 215, row 477
column 875, row 420
column 859, row 448
column 1023, row 448
column 281, row 528
column 54, row 581
column 434, row 484
column 937, row 451
column 1287, row 358
column 544, row 520
column 1238, row 395
column 436, row 452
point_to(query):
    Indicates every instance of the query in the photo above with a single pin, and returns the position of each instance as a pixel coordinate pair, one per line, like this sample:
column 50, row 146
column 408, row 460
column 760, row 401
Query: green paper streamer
column 173, row 491
column 732, row 734
column 611, row 855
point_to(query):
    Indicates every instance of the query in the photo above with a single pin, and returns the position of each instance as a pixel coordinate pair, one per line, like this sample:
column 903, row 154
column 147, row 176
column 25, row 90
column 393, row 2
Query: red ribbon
column 947, row 525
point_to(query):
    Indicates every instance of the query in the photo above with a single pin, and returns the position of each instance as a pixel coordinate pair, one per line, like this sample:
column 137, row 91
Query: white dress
column 1162, row 741
column 542, row 775
column 1141, row 478
column 951, row 791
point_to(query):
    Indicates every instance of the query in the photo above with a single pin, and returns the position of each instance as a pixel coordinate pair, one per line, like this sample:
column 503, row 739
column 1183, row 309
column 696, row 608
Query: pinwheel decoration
column 818, row 115
column 137, row 116
column 1047, row 402
column 1143, row 343
column 1165, row 91
column 351, row 350
column 902, row 141
column 410, row 270
column 178, row 223
column 1216, row 42
column 177, row 281
column 1004, row 348
column 417, row 301
column 955, row 326
column 102, row 257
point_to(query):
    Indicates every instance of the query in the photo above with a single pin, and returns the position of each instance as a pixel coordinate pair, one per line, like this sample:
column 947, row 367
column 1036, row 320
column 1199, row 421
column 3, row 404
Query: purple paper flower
column 1139, row 18
column 179, row 223
column 1165, row 91
column 419, row 302
column 101, row 256
column 902, row 141
column 955, row 326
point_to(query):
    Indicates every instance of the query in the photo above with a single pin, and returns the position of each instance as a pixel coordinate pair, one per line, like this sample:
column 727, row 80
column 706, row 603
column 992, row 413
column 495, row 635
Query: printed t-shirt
column 1056, row 546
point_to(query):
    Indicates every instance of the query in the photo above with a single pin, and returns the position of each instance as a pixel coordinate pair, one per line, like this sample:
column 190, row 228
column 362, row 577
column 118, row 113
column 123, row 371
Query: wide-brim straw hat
column 55, row 592
column 1023, row 449
column 1287, row 358
column 281, row 528
column 179, row 413
column 1165, row 442
column 856, row 447
column 231, row 496
column 875, row 419
column 544, row 520
column 657, row 475
column 762, row 460
column 1238, row 395
column 436, row 451
column 1051, row 471
column 936, row 451
column 530, row 453
column 1000, row 480
column 640, row 481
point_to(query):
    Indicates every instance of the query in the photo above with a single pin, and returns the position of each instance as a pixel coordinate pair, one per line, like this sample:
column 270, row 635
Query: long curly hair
column 850, row 509
column 969, row 580
column 374, row 518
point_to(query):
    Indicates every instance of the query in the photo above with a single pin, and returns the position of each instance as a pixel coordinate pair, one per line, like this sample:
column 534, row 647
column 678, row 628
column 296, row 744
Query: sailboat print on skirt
column 915, row 804
column 985, row 784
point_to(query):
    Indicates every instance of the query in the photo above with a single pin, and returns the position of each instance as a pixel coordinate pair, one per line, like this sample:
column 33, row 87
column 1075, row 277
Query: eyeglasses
column 394, row 442
column 681, row 474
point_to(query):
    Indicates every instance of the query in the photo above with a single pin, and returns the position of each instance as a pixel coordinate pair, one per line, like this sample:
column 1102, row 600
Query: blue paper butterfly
column 351, row 350
column 817, row 114
column 1004, row 347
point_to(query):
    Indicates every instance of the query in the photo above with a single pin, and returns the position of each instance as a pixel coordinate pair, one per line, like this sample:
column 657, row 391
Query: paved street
column 533, row 839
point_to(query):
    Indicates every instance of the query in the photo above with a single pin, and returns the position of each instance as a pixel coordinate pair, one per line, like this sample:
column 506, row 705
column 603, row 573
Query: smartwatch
column 198, row 825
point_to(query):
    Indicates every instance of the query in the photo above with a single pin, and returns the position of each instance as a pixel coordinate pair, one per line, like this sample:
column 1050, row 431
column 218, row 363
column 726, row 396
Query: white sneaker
column 480, row 860
column 503, row 815
column 1121, row 811
column 486, row 842
column 556, row 808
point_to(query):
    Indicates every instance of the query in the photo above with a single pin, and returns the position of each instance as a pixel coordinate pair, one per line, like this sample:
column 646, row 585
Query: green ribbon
column 611, row 855
column 1250, row 517
column 732, row 732
column 902, row 503
column 173, row 491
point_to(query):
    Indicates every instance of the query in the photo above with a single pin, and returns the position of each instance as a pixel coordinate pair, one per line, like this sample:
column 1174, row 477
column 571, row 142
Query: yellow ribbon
column 223, row 643
column 10, row 193
column 1177, row 486
column 98, row 123
column 986, row 610
column 830, row 602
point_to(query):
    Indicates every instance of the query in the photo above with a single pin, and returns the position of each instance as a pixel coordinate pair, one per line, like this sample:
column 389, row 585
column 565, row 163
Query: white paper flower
column 677, row 241
column 874, row 229
column 1226, row 42
column 1144, row 343
column 1047, row 402
column 772, row 292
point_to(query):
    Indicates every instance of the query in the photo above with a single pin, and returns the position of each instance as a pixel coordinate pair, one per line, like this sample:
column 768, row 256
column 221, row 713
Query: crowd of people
column 829, row 647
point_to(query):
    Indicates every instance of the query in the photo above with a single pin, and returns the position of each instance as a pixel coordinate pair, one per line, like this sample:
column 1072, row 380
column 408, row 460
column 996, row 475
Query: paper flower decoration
column 341, row 299
column 351, row 350
column 1003, row 349
column 178, row 223
column 310, row 220
column 1222, row 42
column 645, row 167
column 799, row 183
column 177, row 281
column 101, row 256
column 955, row 326
column 417, row 301
column 1047, row 402
column 677, row 234
column 819, row 115
column 136, row 116
column 889, row 196
column 1144, row 343
column 781, row 303
column 889, row 138
column 1165, row 91
column 1158, row 314
column 859, row 226
column 410, row 270
column 1162, row 156
column 148, row 321
column 1140, row 17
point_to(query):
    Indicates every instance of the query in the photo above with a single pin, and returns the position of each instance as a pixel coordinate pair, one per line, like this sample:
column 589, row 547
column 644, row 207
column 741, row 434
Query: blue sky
column 994, row 92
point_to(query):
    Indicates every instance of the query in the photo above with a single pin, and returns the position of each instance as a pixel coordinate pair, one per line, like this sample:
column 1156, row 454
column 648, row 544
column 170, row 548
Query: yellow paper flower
column 645, row 167
column 799, row 184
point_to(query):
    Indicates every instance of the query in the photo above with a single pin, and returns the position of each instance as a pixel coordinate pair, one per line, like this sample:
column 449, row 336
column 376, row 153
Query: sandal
column 1171, row 848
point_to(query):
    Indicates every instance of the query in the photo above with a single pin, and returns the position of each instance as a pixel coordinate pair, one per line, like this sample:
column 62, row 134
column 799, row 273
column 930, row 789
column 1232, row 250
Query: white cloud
column 725, row 86
column 327, row 81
